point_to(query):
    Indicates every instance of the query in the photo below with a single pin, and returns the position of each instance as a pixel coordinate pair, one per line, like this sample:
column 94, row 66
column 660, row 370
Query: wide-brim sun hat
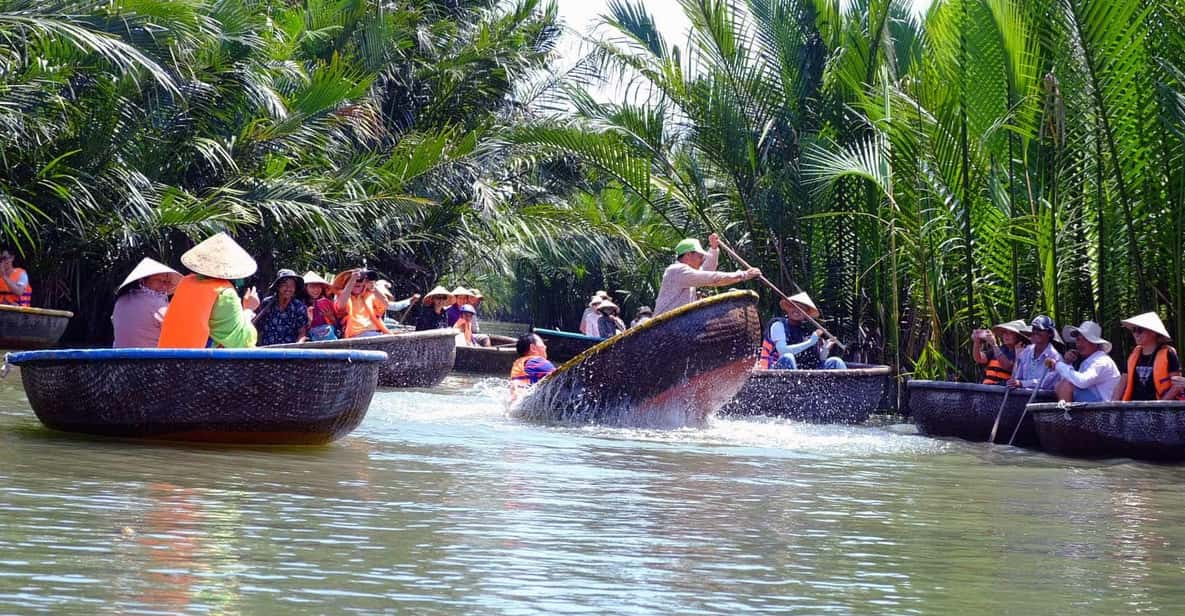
column 439, row 291
column 1091, row 331
column 1149, row 321
column 602, row 294
column 608, row 305
column 1017, row 327
column 384, row 287
column 150, row 267
column 311, row 277
column 219, row 256
column 474, row 293
column 803, row 301
column 596, row 301
column 460, row 291
column 689, row 245
column 286, row 274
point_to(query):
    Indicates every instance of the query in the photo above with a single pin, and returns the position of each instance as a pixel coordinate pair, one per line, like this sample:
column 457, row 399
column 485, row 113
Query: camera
column 368, row 274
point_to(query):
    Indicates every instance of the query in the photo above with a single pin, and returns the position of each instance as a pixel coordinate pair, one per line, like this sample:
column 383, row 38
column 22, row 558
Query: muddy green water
column 441, row 504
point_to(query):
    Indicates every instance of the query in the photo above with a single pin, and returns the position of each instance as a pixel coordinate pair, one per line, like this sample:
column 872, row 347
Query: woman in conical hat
column 141, row 302
column 1153, row 363
column 206, row 310
column 433, row 313
column 461, row 297
column 322, row 317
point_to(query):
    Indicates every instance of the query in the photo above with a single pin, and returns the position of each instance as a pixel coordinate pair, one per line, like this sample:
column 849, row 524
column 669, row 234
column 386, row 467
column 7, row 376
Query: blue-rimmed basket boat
column 415, row 359
column 31, row 328
column 672, row 371
column 248, row 396
column 563, row 346
column 814, row 396
column 1153, row 431
column 968, row 410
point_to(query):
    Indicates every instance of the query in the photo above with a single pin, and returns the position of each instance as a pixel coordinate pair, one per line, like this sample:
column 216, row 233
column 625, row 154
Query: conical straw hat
column 1149, row 321
column 804, row 301
column 150, row 267
column 311, row 277
column 461, row 291
column 219, row 257
column 440, row 291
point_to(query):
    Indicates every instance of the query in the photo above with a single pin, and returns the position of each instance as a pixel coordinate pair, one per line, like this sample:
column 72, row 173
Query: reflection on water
column 439, row 503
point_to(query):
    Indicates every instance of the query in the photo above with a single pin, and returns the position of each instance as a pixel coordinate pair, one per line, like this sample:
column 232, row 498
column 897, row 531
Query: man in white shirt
column 695, row 267
column 1098, row 376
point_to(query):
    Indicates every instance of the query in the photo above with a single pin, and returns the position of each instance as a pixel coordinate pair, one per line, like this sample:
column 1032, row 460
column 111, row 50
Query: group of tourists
column 457, row 309
column 1026, row 356
column 602, row 317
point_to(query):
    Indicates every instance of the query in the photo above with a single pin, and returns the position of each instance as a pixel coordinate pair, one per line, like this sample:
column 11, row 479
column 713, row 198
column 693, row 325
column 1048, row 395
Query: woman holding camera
column 360, row 310
column 998, row 359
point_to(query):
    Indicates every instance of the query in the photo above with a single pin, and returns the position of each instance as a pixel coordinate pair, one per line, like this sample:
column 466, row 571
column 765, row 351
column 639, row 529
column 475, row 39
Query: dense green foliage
column 920, row 175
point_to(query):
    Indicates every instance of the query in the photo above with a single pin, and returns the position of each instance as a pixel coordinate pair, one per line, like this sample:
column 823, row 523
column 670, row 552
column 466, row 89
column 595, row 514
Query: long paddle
column 999, row 414
column 735, row 257
column 1032, row 397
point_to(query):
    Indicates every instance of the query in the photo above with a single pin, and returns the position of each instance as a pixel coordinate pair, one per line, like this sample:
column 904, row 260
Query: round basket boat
column 673, row 371
column 968, row 411
column 415, row 359
column 563, row 346
column 814, row 396
column 495, row 360
column 250, row 396
column 31, row 328
column 1153, row 431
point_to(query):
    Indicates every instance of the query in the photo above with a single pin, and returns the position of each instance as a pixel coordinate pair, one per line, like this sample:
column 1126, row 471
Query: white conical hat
column 439, row 291
column 1149, row 321
column 312, row 277
column 804, row 301
column 150, row 267
column 219, row 257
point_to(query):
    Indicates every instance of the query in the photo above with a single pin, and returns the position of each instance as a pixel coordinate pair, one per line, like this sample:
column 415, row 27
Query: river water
column 439, row 503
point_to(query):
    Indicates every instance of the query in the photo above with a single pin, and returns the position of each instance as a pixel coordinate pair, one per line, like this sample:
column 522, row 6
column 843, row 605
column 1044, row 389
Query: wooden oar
column 999, row 414
column 1032, row 397
column 775, row 289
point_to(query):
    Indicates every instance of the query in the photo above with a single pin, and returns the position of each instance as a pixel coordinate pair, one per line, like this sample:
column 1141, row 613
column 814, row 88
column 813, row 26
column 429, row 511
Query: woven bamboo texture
column 815, row 396
column 1153, row 431
column 414, row 359
column 31, row 328
column 968, row 411
column 485, row 360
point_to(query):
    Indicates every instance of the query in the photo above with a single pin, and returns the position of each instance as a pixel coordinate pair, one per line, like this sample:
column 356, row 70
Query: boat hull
column 273, row 397
column 1152, row 431
column 674, row 371
column 414, row 359
column 968, row 411
column 485, row 360
column 814, row 396
column 563, row 346
column 31, row 328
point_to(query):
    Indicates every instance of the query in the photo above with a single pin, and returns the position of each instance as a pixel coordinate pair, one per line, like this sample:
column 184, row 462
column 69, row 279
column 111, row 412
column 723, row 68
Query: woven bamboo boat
column 251, row 396
column 563, row 346
column 673, row 371
column 814, row 396
column 414, row 359
column 31, row 328
column 1153, row 431
column 968, row 411
column 492, row 360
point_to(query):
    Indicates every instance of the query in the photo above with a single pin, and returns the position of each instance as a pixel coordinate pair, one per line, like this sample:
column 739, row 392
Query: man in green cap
column 695, row 267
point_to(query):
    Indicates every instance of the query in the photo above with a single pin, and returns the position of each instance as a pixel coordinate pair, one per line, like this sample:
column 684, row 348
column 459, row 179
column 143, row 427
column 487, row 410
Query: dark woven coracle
column 563, row 346
column 815, row 396
column 968, row 410
column 31, row 328
column 415, row 359
column 224, row 396
column 1153, row 431
column 671, row 372
column 485, row 360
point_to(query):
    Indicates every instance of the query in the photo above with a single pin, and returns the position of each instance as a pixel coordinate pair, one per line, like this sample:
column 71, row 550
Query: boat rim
column 258, row 354
column 45, row 312
column 964, row 386
column 559, row 333
column 864, row 370
column 1114, row 405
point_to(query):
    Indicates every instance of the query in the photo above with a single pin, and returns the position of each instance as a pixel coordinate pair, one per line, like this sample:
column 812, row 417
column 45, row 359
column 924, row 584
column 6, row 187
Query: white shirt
column 1028, row 369
column 1099, row 373
column 680, row 280
column 589, row 325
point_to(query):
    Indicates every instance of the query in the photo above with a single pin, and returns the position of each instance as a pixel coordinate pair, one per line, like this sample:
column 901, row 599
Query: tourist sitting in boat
column 360, row 310
column 590, row 320
column 464, row 327
column 322, row 317
column 1029, row 369
column 461, row 297
column 15, row 289
column 283, row 317
column 1152, row 364
column 1098, row 376
column 997, row 359
column 695, row 267
column 475, row 299
column 140, row 304
column 790, row 344
column 609, row 324
column 644, row 314
column 206, row 310
column 530, row 367
column 433, row 310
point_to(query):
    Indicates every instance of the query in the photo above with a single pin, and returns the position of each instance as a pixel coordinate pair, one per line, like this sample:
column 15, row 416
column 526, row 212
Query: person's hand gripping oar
column 735, row 257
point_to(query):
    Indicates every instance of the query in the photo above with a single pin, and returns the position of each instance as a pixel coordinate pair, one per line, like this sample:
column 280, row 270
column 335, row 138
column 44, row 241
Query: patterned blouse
column 281, row 326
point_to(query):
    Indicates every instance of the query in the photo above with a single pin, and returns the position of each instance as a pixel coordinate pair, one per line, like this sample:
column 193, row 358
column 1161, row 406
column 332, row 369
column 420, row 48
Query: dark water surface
column 441, row 504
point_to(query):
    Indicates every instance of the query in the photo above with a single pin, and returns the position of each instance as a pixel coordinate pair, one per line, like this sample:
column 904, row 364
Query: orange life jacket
column 8, row 297
column 769, row 354
column 995, row 373
column 1160, row 372
column 187, row 322
column 520, row 380
column 364, row 308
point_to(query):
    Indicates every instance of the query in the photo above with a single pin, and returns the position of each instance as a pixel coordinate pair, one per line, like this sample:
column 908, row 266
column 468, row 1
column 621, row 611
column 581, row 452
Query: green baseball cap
column 689, row 245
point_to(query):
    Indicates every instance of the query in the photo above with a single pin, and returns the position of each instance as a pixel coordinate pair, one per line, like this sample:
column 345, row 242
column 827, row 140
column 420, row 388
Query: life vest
column 769, row 351
column 1160, row 372
column 363, row 309
column 995, row 373
column 521, row 379
column 7, row 297
column 187, row 322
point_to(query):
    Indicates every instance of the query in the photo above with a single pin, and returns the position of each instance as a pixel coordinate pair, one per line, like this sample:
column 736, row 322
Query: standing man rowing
column 695, row 267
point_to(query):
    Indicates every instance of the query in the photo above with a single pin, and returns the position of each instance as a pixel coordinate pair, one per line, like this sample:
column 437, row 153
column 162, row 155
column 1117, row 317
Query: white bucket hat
column 150, row 267
column 803, row 301
column 219, row 257
column 608, row 305
column 1089, row 330
column 1149, row 321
